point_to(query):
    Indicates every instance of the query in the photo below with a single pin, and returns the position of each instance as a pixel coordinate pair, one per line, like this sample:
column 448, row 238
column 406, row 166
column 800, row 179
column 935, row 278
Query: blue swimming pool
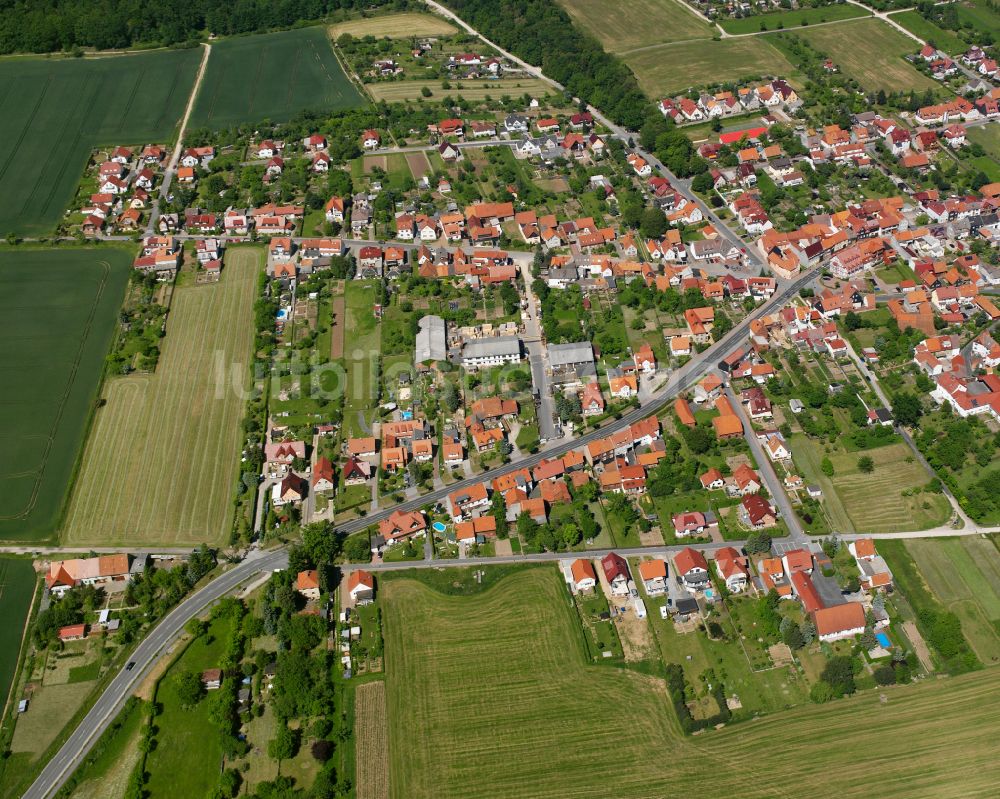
column 438, row 527
column 883, row 640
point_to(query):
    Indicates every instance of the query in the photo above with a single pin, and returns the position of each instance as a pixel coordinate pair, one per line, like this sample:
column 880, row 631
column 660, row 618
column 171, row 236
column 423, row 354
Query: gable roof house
column 654, row 576
column 691, row 569
column 584, row 577
column 732, row 567
column 616, row 573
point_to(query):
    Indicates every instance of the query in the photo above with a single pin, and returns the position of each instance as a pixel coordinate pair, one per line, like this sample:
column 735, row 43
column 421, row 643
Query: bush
column 885, row 675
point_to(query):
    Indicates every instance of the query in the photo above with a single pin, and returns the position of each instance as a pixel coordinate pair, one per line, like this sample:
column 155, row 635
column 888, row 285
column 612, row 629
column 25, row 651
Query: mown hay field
column 53, row 112
column 397, row 91
column 58, row 310
column 372, row 741
column 964, row 573
column 272, row 77
column 875, row 502
column 621, row 27
column 677, row 67
column 489, row 695
column 394, row 26
column 160, row 465
column 871, row 52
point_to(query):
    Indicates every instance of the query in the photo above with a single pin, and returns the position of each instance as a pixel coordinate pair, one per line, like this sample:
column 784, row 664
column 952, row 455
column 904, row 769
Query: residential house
column 307, row 583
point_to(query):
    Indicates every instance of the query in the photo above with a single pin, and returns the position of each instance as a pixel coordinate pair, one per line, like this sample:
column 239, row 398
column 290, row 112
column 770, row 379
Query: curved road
column 145, row 655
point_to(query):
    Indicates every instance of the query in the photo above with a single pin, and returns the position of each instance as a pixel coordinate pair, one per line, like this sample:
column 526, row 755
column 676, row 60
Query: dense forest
column 43, row 26
column 541, row 33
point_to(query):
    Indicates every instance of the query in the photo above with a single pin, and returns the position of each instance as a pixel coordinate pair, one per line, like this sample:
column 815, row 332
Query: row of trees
column 542, row 33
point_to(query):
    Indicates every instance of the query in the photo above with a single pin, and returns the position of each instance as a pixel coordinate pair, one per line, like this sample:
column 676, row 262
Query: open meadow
column 942, row 39
column 490, row 695
column 674, row 68
column 271, row 76
column 188, row 750
column 59, row 310
column 621, row 27
column 17, row 586
column 964, row 573
column 402, row 90
column 875, row 502
column 394, row 26
column 789, row 20
column 161, row 461
column 871, row 52
column 55, row 111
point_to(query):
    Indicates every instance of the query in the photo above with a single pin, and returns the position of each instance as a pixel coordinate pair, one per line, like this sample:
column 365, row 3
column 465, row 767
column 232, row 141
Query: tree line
column 49, row 26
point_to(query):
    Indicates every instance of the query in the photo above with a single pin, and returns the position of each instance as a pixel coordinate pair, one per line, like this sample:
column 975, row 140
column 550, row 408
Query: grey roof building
column 563, row 356
column 432, row 340
column 491, row 352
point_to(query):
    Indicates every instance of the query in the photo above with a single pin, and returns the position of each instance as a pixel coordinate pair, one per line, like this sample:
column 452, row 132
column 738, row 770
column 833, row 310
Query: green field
column 871, row 52
column 189, row 748
column 677, row 67
column 621, row 27
column 791, row 19
column 988, row 137
column 361, row 351
column 398, row 91
column 871, row 503
column 976, row 14
column 964, row 573
column 942, row 39
column 59, row 310
column 271, row 77
column 17, row 584
column 161, row 461
column 55, row 111
column 490, row 695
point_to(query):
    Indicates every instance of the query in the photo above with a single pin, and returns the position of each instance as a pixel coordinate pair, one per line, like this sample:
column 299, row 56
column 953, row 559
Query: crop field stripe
column 168, row 438
column 13, row 148
column 61, row 406
column 372, row 748
column 65, row 131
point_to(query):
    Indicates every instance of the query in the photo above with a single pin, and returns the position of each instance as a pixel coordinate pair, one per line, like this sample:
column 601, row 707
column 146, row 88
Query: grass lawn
column 988, row 137
column 537, row 716
column 17, row 586
column 600, row 634
column 394, row 26
column 638, row 23
column 56, row 110
column 872, row 53
column 292, row 71
column 189, row 746
column 402, row 90
column 964, row 573
column 677, row 67
column 942, row 39
column 361, row 354
column 871, row 503
column 977, row 14
column 790, row 20
column 161, row 461
column 60, row 309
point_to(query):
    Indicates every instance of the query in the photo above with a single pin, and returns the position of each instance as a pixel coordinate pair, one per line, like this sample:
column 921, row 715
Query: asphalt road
column 145, row 655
